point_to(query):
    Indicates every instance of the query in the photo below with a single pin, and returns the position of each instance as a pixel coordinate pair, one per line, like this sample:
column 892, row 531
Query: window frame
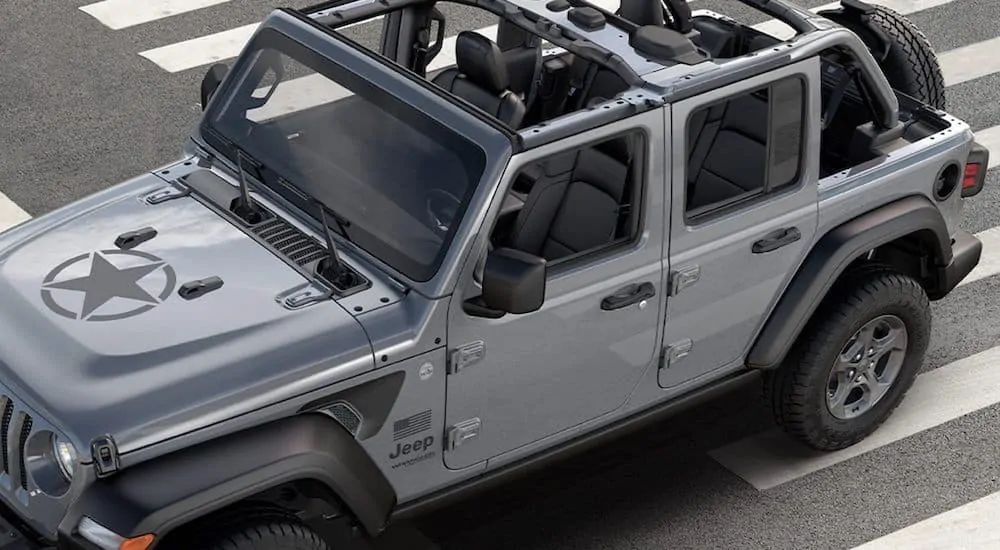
column 710, row 212
column 638, row 181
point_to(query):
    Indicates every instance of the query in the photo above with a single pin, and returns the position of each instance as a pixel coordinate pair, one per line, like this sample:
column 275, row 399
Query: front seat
column 481, row 78
column 572, row 208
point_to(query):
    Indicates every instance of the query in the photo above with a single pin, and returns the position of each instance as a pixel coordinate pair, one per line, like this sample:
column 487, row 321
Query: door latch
column 462, row 432
column 683, row 278
column 675, row 352
column 465, row 355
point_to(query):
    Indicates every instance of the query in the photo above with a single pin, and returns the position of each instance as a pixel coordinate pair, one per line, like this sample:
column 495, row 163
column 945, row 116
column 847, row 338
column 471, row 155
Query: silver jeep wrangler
column 369, row 288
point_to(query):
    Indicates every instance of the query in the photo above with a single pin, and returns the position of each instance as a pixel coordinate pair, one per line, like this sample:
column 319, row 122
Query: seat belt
column 581, row 74
column 536, row 77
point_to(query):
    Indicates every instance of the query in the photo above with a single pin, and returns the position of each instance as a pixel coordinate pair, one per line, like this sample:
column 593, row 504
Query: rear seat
column 726, row 151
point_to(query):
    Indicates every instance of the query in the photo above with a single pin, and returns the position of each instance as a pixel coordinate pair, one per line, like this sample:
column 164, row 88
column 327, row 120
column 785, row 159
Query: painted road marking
column 989, row 261
column 202, row 50
column 119, row 14
column 970, row 62
column 905, row 7
column 772, row 458
column 10, row 213
column 972, row 526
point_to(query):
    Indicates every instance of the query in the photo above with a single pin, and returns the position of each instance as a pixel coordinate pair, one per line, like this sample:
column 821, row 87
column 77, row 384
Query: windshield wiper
column 330, row 267
column 243, row 206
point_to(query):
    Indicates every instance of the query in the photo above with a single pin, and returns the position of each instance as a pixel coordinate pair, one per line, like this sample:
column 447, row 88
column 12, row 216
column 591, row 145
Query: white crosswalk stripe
column 119, row 14
column 768, row 460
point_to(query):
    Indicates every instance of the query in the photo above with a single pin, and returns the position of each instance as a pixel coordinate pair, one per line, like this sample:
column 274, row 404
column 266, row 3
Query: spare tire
column 902, row 51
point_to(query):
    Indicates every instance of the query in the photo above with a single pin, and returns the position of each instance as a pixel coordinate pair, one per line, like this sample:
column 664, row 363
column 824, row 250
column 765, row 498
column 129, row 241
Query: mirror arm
column 476, row 308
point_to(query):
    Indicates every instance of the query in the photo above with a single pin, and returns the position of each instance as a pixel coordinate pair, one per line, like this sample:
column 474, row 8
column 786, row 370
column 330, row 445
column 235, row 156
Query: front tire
column 854, row 361
column 247, row 527
column 269, row 535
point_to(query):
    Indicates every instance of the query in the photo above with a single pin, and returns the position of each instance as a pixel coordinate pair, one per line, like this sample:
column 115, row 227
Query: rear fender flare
column 167, row 492
column 914, row 216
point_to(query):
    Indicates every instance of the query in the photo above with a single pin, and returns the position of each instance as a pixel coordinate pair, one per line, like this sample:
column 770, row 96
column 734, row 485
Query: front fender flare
column 169, row 491
column 913, row 215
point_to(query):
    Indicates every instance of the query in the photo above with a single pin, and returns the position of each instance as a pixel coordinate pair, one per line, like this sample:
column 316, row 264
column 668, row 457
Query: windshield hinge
column 104, row 451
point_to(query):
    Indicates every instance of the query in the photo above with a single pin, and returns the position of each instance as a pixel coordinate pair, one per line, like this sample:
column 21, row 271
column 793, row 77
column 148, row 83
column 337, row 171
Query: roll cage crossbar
column 615, row 51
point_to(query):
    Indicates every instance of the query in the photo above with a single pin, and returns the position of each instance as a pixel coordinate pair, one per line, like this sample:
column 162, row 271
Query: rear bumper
column 966, row 251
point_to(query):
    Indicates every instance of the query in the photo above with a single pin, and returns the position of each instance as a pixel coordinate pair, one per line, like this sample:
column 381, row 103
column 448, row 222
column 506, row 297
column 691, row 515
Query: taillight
column 971, row 171
column 976, row 167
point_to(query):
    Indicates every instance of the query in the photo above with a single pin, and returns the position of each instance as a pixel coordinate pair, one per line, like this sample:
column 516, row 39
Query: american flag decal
column 412, row 425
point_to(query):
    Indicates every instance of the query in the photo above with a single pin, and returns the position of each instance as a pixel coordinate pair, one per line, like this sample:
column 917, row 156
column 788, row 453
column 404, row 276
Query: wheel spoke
column 866, row 367
column 838, row 400
column 894, row 340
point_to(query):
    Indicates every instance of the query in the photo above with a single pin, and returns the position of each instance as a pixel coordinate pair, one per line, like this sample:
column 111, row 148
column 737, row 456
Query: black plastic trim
column 583, row 443
column 830, row 257
column 132, row 239
column 967, row 251
column 164, row 493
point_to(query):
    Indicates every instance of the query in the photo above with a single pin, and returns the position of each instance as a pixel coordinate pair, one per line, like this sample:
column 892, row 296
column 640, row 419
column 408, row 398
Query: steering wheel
column 441, row 209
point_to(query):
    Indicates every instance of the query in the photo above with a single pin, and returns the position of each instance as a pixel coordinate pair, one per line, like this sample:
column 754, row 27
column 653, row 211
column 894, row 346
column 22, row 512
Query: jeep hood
column 98, row 340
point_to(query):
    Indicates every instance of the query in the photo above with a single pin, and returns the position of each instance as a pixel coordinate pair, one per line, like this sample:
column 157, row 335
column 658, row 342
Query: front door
column 744, row 214
column 535, row 375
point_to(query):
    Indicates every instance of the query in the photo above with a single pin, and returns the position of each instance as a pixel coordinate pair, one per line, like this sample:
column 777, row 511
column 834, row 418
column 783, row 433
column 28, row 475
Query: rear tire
column 811, row 393
column 911, row 65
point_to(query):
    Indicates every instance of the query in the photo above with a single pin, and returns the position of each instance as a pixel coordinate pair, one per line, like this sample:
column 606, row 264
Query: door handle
column 776, row 240
column 629, row 295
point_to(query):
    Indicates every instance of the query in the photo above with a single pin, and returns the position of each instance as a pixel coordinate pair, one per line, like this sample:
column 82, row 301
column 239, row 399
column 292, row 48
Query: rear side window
column 745, row 147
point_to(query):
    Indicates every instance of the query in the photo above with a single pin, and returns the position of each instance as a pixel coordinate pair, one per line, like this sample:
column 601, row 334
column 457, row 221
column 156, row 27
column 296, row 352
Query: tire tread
column 788, row 388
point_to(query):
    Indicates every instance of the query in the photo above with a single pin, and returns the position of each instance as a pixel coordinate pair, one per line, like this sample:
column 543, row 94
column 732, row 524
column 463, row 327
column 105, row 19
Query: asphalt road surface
column 90, row 95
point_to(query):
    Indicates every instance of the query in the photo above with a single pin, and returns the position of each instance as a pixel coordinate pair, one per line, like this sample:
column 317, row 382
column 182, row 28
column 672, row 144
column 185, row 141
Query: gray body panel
column 183, row 364
column 718, row 314
column 569, row 362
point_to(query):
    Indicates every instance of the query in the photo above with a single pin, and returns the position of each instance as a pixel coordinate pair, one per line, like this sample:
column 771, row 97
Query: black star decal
column 106, row 281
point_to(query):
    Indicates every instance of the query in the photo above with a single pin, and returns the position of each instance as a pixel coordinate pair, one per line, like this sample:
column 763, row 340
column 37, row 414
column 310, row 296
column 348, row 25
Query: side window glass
column 576, row 202
column 744, row 147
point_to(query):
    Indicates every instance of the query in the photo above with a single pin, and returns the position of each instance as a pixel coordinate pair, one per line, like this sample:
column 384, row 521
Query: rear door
column 744, row 213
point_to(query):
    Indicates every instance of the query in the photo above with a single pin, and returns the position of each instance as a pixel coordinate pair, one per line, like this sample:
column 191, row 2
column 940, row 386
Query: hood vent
column 288, row 240
column 305, row 251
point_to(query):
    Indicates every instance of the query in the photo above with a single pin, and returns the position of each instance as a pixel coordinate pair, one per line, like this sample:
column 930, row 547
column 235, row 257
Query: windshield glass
column 399, row 180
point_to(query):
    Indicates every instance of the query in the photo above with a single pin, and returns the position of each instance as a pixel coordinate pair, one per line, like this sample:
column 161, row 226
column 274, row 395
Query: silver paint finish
column 569, row 362
column 184, row 364
column 723, row 311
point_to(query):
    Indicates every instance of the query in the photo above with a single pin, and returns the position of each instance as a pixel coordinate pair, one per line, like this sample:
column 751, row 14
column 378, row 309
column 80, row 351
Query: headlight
column 65, row 455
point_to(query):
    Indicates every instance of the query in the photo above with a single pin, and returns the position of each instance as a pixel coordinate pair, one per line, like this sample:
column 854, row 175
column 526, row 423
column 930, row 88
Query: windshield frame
column 334, row 55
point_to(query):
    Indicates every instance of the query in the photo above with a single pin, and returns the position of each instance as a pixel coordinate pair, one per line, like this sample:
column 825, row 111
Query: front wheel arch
column 168, row 492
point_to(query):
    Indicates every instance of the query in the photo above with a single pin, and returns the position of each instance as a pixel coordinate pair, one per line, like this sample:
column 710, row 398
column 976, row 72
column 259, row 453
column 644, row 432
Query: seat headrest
column 480, row 60
column 643, row 12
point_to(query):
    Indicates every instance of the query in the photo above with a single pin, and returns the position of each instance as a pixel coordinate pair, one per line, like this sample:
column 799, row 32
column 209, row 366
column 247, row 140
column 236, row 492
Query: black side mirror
column 513, row 281
column 210, row 82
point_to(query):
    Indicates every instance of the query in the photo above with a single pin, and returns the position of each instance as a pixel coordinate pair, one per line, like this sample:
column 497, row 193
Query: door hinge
column 465, row 355
column 673, row 353
column 462, row 432
column 683, row 278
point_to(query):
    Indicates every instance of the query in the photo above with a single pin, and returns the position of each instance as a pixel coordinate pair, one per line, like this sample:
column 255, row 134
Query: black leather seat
column 481, row 78
column 574, row 206
column 727, row 151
